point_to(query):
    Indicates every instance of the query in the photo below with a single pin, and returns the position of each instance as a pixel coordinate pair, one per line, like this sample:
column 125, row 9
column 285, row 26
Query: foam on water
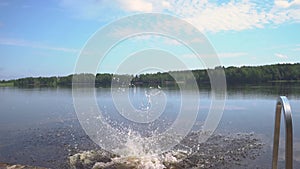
column 218, row 152
column 136, row 153
column 139, row 162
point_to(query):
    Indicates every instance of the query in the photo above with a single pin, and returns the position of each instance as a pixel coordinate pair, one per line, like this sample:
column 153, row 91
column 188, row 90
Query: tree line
column 234, row 76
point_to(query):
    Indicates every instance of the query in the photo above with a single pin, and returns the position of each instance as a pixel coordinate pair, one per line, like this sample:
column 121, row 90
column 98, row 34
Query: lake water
column 39, row 126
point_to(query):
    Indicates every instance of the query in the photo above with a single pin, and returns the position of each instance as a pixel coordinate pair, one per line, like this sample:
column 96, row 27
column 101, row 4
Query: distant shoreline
column 245, row 75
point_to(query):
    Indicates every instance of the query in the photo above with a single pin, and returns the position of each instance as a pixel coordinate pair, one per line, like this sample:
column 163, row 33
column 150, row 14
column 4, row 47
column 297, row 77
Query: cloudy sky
column 44, row 38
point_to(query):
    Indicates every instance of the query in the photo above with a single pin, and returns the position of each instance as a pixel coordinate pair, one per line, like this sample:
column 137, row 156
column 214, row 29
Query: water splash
column 221, row 151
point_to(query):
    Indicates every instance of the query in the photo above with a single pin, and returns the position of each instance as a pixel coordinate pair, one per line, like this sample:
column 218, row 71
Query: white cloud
column 286, row 3
column 172, row 42
column 235, row 15
column 296, row 49
column 205, row 15
column 279, row 55
column 165, row 4
column 136, row 5
column 231, row 16
column 18, row 42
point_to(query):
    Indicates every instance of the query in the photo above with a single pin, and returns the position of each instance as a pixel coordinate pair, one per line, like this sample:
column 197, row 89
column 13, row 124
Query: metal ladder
column 283, row 104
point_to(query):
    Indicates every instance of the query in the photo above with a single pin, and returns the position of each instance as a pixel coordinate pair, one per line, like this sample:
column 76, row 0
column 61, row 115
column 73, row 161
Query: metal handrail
column 283, row 104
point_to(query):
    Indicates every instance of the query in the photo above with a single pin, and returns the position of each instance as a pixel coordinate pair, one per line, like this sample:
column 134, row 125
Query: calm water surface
column 39, row 126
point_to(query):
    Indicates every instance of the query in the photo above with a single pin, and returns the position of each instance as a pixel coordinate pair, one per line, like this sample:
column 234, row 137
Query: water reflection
column 291, row 90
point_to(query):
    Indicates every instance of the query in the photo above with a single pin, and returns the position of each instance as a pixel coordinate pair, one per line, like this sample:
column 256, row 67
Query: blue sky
column 44, row 38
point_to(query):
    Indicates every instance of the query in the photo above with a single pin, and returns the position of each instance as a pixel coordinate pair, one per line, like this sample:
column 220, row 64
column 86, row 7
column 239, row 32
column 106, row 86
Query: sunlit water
column 39, row 127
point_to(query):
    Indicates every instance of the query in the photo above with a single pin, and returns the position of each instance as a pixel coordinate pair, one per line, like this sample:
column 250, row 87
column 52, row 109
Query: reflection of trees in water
column 266, row 90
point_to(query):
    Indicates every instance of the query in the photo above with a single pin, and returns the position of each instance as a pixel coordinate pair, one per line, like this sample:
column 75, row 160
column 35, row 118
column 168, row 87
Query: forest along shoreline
column 245, row 75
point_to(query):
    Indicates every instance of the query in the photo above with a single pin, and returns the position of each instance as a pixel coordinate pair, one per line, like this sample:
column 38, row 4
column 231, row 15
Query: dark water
column 39, row 126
